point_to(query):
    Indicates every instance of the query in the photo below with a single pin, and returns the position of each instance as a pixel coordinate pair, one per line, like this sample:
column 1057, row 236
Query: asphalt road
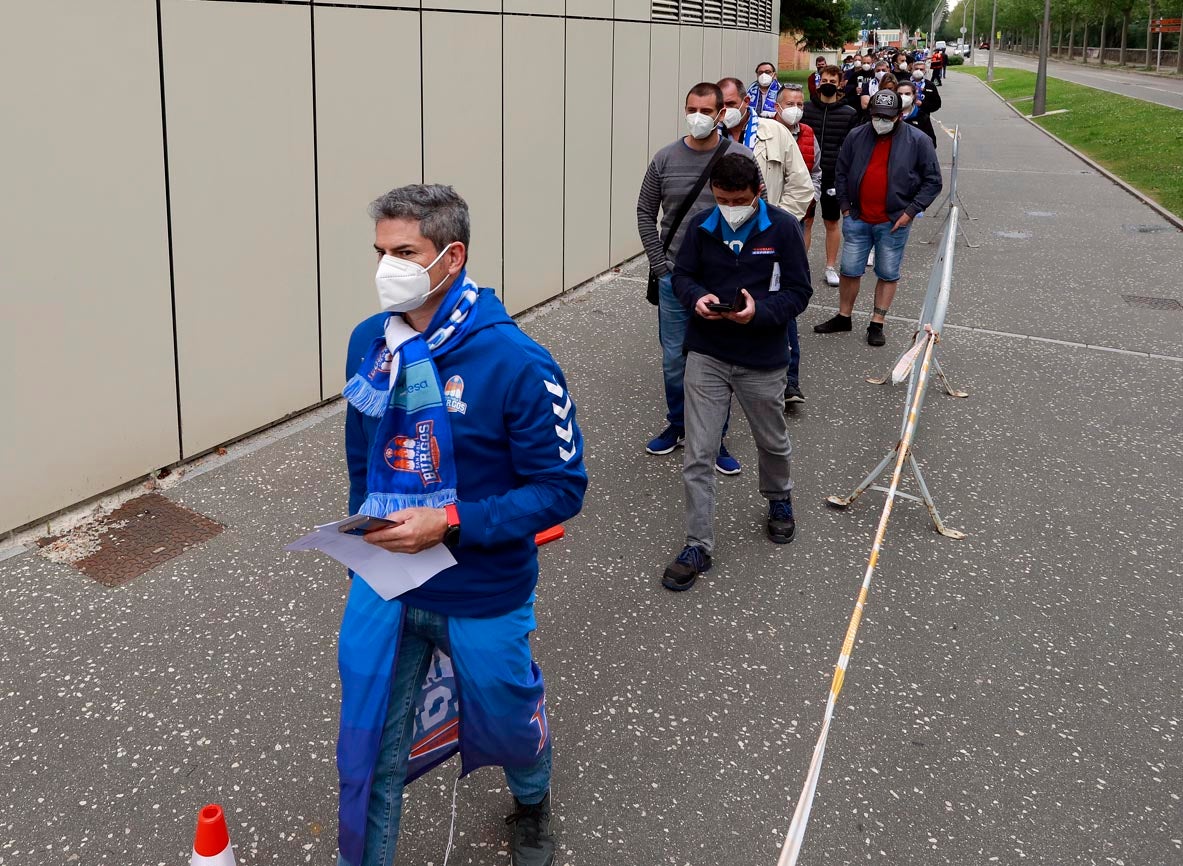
column 1013, row 697
column 1150, row 88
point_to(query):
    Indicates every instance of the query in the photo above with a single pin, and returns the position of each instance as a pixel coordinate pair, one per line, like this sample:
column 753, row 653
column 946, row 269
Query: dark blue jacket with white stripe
column 773, row 268
column 518, row 455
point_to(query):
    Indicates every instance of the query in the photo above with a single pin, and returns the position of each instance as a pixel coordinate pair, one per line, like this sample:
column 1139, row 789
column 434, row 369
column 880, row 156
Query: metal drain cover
column 136, row 537
column 1152, row 303
column 1146, row 228
column 1014, row 236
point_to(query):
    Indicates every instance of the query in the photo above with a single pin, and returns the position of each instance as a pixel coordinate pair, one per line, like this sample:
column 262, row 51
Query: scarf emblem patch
column 419, row 453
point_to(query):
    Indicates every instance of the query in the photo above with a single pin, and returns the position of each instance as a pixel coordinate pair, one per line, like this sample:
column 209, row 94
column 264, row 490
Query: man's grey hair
column 441, row 212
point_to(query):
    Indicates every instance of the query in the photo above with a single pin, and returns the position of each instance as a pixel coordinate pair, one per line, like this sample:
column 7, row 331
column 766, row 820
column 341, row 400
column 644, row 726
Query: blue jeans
column 794, row 354
column 859, row 237
column 672, row 319
column 423, row 631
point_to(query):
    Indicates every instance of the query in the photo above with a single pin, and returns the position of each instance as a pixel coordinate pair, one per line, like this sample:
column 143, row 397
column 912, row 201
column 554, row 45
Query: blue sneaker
column 782, row 528
column 725, row 464
column 683, row 571
column 667, row 440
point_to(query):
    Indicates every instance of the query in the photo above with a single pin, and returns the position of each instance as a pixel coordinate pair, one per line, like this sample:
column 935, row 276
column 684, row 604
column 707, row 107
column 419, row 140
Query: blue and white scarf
column 748, row 139
column 411, row 463
column 769, row 102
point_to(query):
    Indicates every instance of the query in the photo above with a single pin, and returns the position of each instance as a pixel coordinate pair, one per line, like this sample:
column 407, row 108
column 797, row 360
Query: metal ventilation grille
column 665, row 10
column 738, row 14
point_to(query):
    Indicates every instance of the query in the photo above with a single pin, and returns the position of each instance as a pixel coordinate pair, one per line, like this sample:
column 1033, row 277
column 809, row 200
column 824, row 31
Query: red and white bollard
column 211, row 843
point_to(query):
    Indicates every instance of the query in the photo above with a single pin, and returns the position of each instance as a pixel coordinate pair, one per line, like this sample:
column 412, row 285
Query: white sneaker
column 871, row 259
column 831, row 276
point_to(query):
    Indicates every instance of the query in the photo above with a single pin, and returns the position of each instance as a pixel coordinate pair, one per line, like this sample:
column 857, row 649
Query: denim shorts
column 858, row 238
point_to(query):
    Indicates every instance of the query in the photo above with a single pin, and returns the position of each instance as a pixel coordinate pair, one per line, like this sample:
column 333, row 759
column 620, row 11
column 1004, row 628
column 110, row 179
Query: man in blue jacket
column 887, row 173
column 460, row 430
column 742, row 271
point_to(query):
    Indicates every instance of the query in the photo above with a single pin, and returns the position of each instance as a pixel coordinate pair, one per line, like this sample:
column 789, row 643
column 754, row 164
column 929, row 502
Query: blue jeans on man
column 423, row 631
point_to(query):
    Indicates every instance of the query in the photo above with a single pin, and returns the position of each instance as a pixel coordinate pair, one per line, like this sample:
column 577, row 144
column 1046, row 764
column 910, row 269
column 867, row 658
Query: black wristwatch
column 452, row 536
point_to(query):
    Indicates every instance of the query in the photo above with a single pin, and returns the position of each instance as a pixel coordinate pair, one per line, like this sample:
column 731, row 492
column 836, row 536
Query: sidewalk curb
column 1169, row 216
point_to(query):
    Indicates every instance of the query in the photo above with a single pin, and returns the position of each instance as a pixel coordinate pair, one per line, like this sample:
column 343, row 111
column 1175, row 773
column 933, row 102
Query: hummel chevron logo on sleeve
column 562, row 410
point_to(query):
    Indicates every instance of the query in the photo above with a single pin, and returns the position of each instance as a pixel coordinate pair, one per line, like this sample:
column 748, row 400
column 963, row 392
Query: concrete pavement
column 1013, row 697
column 1149, row 88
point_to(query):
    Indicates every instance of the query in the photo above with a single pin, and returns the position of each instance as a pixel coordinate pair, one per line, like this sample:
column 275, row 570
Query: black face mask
column 828, row 89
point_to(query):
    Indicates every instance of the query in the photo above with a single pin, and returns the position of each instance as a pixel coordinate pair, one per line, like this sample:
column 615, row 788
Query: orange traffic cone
column 211, row 844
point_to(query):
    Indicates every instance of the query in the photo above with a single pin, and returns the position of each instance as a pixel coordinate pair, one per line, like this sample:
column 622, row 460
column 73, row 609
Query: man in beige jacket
column 786, row 177
column 787, row 182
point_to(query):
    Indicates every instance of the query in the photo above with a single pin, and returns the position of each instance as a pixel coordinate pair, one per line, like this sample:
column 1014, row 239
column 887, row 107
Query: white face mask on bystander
column 404, row 285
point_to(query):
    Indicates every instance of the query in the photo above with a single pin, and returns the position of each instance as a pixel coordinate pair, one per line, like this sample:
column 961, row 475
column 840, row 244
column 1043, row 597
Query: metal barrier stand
column 932, row 320
column 952, row 199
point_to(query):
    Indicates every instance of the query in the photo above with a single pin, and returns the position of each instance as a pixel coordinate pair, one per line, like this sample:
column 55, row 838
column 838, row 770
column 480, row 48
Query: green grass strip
column 1140, row 142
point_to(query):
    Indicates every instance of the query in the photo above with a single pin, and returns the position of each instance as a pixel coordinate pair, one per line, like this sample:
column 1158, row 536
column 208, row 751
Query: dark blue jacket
column 518, row 455
column 773, row 268
column 913, row 170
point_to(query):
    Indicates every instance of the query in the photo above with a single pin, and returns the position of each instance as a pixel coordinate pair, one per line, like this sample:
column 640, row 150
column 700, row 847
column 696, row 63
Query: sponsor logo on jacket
column 454, row 394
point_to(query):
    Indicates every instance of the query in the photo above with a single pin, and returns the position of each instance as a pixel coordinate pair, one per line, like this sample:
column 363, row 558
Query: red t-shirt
column 872, row 193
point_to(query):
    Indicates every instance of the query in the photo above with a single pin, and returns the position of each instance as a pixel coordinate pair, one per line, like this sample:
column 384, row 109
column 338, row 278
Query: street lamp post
column 1039, row 106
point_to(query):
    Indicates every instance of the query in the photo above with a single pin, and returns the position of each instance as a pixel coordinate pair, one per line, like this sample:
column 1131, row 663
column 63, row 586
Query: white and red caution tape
column 796, row 835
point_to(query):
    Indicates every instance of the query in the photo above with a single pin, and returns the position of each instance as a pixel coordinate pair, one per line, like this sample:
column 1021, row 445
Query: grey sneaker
column 533, row 844
column 831, row 276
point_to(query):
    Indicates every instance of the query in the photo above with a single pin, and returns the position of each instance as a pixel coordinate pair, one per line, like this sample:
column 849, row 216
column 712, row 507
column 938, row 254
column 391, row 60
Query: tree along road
column 1149, row 88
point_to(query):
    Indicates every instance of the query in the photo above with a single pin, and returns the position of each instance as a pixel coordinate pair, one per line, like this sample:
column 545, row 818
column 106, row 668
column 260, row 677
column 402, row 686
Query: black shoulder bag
column 683, row 209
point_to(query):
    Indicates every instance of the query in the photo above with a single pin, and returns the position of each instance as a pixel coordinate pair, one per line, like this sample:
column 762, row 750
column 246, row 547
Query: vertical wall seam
column 612, row 136
column 168, row 221
column 501, row 48
column 423, row 109
column 563, row 217
column 320, row 355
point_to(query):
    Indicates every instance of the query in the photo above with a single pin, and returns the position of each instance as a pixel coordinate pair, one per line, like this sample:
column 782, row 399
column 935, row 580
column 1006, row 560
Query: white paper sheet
column 388, row 574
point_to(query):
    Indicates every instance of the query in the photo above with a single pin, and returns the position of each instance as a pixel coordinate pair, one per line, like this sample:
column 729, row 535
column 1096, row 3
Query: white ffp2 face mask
column 701, row 125
column 917, row 74
column 882, row 125
column 404, row 285
column 906, row 101
column 791, row 114
column 732, row 117
column 764, row 79
column 737, row 216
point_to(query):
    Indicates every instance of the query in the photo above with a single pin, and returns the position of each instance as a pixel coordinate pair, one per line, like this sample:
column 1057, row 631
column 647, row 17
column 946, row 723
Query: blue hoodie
column 518, row 456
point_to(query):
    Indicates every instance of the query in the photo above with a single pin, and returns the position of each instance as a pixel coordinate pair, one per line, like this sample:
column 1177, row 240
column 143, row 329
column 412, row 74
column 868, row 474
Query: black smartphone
column 360, row 524
column 736, row 306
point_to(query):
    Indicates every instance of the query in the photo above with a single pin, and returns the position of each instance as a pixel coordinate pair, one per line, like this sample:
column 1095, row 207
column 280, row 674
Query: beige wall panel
column 730, row 59
column 667, row 104
column 533, row 7
column 534, row 65
column 712, row 54
column 588, row 168
column 465, row 5
column 238, row 82
column 633, row 10
column 590, row 9
column 630, row 135
column 361, row 153
column 690, row 58
column 86, row 341
column 390, row 4
column 463, row 133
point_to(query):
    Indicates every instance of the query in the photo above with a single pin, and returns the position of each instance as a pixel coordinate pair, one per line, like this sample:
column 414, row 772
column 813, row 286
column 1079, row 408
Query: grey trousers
column 708, row 385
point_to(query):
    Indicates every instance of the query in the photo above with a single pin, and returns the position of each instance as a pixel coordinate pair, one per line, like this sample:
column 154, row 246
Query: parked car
column 985, row 46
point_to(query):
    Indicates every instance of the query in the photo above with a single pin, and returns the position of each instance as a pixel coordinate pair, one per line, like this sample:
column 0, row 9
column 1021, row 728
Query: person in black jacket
column 917, row 115
column 887, row 173
column 743, row 273
column 831, row 120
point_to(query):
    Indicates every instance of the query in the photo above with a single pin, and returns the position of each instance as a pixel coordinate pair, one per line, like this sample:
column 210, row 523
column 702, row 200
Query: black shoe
column 875, row 335
column 532, row 844
column 782, row 528
column 793, row 394
column 833, row 326
column 683, row 571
